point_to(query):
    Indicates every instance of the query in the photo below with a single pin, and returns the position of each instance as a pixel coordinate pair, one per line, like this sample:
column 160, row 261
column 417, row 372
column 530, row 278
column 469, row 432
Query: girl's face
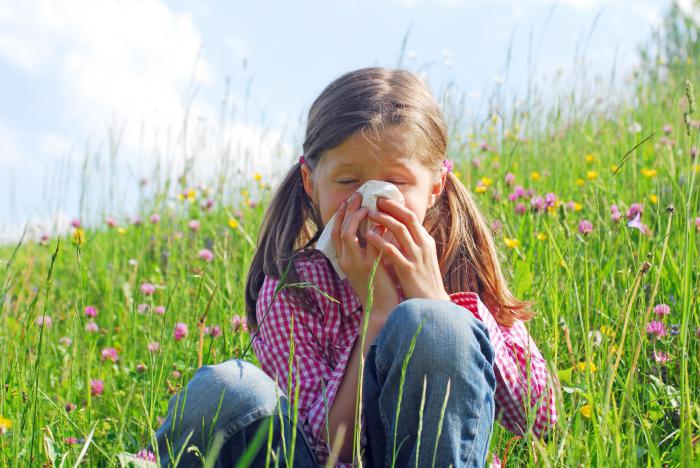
column 346, row 167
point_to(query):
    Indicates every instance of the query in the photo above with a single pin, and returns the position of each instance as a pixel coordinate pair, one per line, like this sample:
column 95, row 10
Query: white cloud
column 10, row 153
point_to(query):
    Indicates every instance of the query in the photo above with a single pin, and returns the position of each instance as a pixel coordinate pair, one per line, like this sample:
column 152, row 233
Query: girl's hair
column 369, row 99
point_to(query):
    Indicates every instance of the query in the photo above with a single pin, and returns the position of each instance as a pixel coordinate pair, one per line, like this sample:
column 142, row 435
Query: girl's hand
column 415, row 257
column 357, row 262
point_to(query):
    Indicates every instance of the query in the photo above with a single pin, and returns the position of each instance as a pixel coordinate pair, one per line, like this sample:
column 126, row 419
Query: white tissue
column 371, row 191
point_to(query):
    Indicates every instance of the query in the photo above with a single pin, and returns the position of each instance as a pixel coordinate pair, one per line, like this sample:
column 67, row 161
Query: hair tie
column 302, row 159
column 447, row 165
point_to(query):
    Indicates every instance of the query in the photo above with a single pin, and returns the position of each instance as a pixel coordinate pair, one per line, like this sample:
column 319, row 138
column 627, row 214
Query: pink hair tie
column 302, row 159
column 447, row 165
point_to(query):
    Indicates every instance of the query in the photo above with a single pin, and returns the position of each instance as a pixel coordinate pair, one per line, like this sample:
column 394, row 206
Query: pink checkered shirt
column 324, row 337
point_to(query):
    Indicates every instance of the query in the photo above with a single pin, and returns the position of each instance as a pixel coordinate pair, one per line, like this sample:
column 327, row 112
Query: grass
column 595, row 292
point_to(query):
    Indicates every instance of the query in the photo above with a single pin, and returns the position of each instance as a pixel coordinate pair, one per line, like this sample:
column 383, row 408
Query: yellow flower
column 613, row 349
column 578, row 206
column 480, row 188
column 581, row 366
column 121, row 230
column 696, row 167
column 590, row 157
column 580, row 182
column 233, row 222
column 614, row 168
column 649, row 173
column 562, row 263
column 492, row 129
column 5, row 425
column 511, row 243
column 606, row 330
column 486, row 181
column 541, row 236
column 653, row 198
column 586, row 411
column 244, row 193
column 191, row 194
column 591, row 175
column 257, row 176
column 457, row 174
column 535, row 176
column 78, row 236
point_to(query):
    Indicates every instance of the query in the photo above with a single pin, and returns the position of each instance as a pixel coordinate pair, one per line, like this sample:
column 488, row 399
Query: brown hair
column 369, row 99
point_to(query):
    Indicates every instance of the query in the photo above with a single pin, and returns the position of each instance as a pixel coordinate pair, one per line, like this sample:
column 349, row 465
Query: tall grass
column 627, row 398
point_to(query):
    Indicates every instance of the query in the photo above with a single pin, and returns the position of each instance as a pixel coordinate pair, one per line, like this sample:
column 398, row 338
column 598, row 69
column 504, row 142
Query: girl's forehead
column 392, row 146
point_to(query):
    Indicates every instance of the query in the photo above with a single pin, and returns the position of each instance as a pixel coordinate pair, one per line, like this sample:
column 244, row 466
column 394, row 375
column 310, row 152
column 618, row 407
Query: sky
column 96, row 94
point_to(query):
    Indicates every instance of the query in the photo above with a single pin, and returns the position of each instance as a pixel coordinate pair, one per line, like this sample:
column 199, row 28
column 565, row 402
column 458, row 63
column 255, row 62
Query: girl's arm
column 524, row 384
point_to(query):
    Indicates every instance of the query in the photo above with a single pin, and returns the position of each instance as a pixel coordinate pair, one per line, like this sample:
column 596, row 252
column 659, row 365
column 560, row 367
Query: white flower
column 636, row 127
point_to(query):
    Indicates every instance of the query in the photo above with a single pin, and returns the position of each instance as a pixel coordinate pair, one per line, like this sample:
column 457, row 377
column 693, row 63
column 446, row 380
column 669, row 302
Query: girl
column 439, row 297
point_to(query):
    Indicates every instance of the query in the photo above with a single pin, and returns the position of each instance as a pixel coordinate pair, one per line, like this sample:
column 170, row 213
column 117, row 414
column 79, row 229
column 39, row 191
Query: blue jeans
column 236, row 399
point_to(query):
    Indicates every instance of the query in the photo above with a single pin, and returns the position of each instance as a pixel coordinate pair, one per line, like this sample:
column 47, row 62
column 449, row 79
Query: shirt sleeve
column 318, row 381
column 523, row 383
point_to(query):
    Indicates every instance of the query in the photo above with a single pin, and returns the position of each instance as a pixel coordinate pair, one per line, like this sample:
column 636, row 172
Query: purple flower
column 97, row 387
column 136, row 221
column 146, row 455
column 111, row 222
column 141, row 368
column 193, row 225
column 510, row 178
column 43, row 320
column 519, row 191
column 180, row 331
column 91, row 327
column 206, row 205
column 496, row 225
column 635, row 223
column 615, row 214
column 215, row 331
column 656, row 328
column 585, row 227
column 661, row 357
column 675, row 329
column 65, row 341
column 693, row 152
column 70, row 440
column 550, row 199
column 206, row 255
column 148, row 288
column 634, row 210
column 662, row 310
column 75, row 223
column 176, row 374
column 70, row 407
column 153, row 347
column 159, row 310
column 239, row 323
column 668, row 129
column 110, row 353
column 142, row 308
column 697, row 332
column 447, row 165
column 537, row 204
column 520, row 208
column 90, row 311
column 697, row 223
column 571, row 205
column 155, row 218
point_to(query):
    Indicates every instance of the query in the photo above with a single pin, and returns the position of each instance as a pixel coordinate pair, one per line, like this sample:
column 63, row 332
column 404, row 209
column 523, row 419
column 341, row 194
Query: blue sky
column 74, row 74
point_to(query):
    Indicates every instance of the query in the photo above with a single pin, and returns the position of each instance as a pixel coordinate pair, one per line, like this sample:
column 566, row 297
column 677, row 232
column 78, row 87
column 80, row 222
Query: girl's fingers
column 400, row 232
column 335, row 233
column 348, row 231
column 404, row 215
column 391, row 252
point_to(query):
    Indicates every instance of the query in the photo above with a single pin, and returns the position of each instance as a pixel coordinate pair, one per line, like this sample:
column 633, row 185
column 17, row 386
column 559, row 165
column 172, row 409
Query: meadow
column 593, row 200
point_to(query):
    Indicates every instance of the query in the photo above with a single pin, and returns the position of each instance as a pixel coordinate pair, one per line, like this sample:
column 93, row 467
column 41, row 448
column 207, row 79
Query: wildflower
column 141, row 368
column 208, row 203
column 480, row 187
column 697, row 224
column 70, row 407
column 121, row 230
column 606, row 330
column 133, row 262
column 5, row 425
column 585, row 227
column 110, row 353
column 447, row 165
column 238, row 323
column 634, row 209
column 153, row 347
column 518, row 191
column 147, row 455
column 159, row 310
column 90, row 311
column 541, row 236
column 110, row 222
column 662, row 310
column 257, row 176
column 78, row 236
column 583, row 365
column 142, row 308
column 75, row 223
column 636, row 127
column 675, row 330
column 656, row 329
column 661, row 357
column 571, row 205
column 511, row 243
column 233, row 223
column 635, row 223
column 653, row 198
column 591, row 175
column 486, row 181
column 649, row 173
column 136, row 221
column 176, row 374
column 252, row 204
column 537, row 204
column 668, row 129
column 44, row 240
column 590, row 158
column 97, row 387
column 550, row 200
column 215, row 331
column 180, row 331
column 697, row 332
column 206, row 255
column 615, row 214
column 535, row 176
column 43, row 320
column 65, row 341
column 91, row 327
column 596, row 337
column 693, row 152
column 193, row 225
column 580, row 182
column 586, row 411
column 155, row 218
column 70, row 440
column 189, row 194
column 148, row 288
column 509, row 178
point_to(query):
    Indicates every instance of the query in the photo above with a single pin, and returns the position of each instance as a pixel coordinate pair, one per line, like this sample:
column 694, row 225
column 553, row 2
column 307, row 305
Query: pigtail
column 467, row 253
column 284, row 234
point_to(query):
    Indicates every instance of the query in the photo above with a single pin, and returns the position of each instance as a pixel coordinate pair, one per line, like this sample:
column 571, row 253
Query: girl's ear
column 437, row 188
column 308, row 180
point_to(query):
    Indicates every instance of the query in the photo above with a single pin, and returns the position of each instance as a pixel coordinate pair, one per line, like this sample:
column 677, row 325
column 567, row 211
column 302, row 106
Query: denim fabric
column 452, row 345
